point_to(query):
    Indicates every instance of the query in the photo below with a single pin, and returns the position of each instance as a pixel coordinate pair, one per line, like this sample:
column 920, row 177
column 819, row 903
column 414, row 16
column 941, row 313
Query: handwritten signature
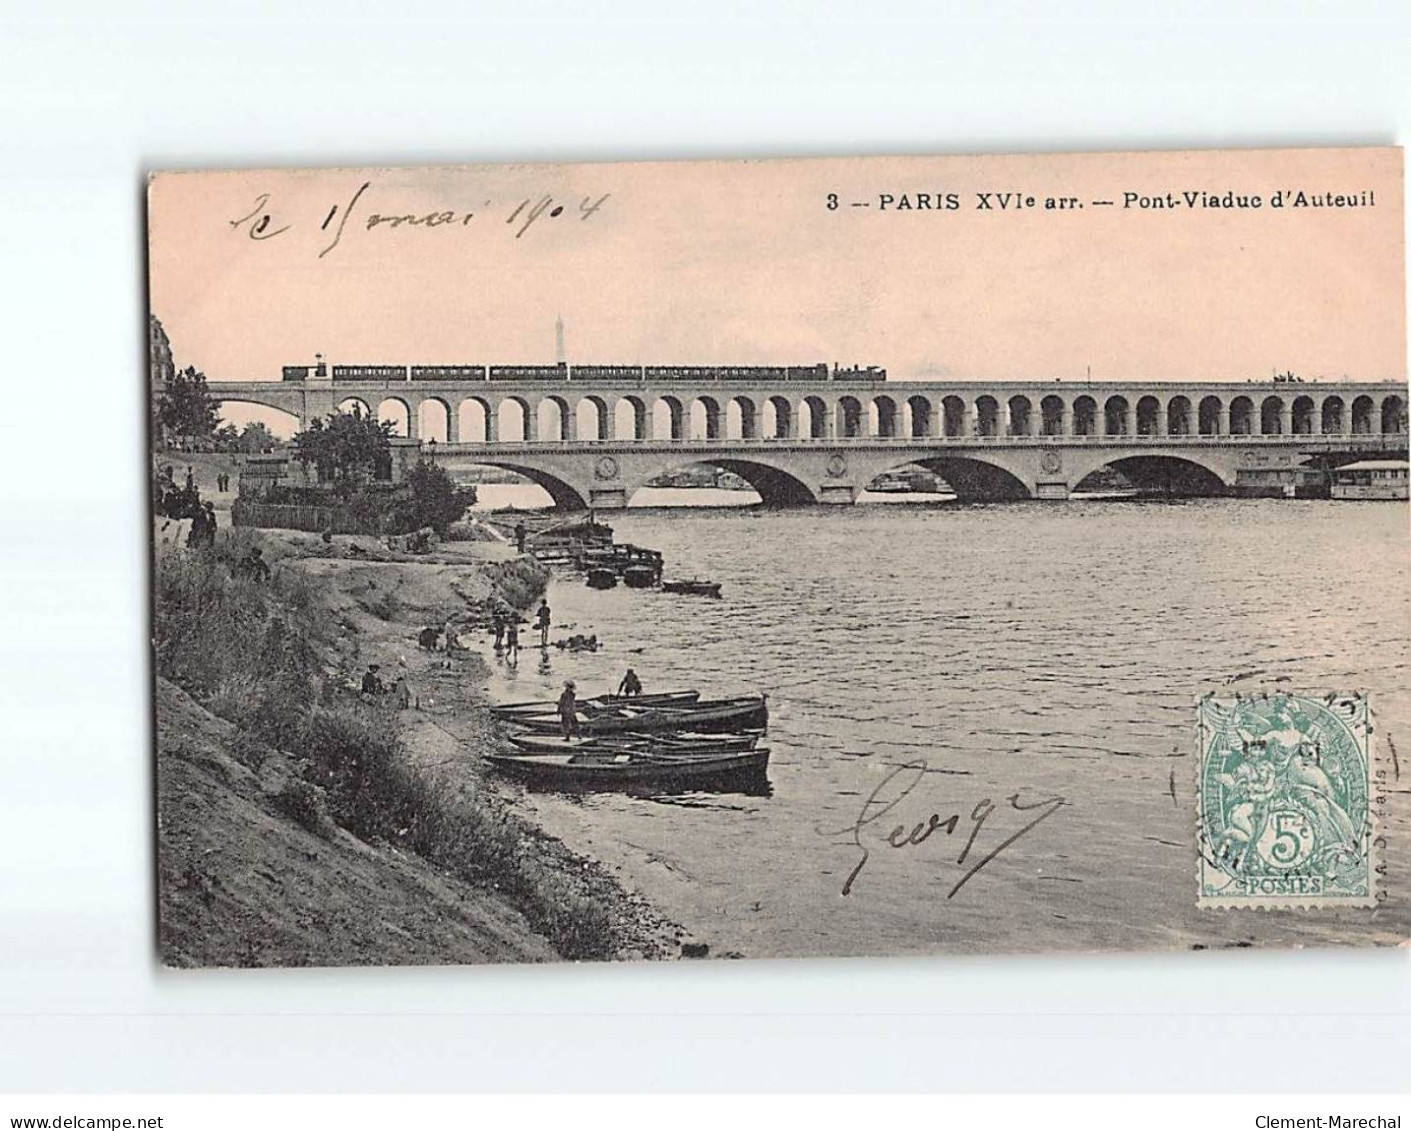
column 906, row 778
column 265, row 221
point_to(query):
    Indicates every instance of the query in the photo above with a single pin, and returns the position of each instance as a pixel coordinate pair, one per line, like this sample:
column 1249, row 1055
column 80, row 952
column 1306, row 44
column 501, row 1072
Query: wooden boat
column 663, row 744
column 692, row 740
column 597, row 703
column 639, row 576
column 889, row 482
column 600, row 578
column 692, row 588
column 620, row 768
column 707, row 715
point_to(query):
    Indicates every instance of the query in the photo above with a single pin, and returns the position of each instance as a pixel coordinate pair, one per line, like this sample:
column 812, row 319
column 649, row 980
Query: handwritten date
column 265, row 220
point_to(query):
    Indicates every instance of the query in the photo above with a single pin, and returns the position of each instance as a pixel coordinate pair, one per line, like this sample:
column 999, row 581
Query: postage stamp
column 1285, row 816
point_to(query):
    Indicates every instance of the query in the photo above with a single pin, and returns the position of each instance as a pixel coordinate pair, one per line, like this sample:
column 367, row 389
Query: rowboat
column 692, row 588
column 664, row 744
column 609, row 770
column 600, row 578
column 713, row 716
column 597, row 703
column 640, row 576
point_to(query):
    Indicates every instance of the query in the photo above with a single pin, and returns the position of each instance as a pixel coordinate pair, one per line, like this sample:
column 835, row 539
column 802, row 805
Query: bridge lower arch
column 1163, row 473
column 977, row 480
column 281, row 422
column 775, row 486
column 565, row 495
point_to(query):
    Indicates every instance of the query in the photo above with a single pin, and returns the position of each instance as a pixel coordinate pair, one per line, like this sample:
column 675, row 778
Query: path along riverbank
column 302, row 823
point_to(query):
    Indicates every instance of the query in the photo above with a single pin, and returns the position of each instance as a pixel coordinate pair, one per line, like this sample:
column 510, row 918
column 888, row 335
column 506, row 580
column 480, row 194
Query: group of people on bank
column 184, row 502
column 374, row 690
column 505, row 626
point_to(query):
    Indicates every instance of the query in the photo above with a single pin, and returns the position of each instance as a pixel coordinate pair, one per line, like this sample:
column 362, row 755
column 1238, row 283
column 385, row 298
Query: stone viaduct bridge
column 592, row 435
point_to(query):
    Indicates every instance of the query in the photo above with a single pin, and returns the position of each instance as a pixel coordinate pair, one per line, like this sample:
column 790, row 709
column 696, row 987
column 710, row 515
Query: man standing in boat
column 568, row 710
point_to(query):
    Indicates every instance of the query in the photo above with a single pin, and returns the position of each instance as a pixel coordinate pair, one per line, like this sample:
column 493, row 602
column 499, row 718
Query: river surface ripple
column 1038, row 650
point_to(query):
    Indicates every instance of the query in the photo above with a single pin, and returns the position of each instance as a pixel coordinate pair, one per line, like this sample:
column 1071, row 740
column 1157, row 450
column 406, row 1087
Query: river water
column 1028, row 652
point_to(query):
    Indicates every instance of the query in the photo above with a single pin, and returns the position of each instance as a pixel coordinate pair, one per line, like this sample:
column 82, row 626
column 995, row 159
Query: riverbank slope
column 303, row 824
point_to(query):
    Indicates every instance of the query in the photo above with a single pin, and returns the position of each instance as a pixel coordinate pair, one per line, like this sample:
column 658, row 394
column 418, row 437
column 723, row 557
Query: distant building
column 162, row 371
column 163, row 368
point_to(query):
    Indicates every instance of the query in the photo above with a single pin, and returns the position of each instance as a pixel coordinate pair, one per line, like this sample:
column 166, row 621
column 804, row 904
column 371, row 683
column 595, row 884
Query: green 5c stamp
column 1285, row 816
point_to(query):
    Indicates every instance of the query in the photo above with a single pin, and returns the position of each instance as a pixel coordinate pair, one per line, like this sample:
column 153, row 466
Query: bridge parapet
column 1358, row 441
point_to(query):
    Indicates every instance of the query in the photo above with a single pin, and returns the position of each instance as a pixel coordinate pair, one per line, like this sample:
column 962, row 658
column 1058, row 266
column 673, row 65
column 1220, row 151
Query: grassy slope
column 439, row 870
column 244, row 885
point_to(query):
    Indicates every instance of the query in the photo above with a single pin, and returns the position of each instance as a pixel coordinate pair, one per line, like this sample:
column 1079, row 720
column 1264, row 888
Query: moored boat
column 1371, row 479
column 600, row 578
column 663, row 744
column 692, row 587
column 618, row 768
column 639, row 576
column 597, row 703
column 744, row 712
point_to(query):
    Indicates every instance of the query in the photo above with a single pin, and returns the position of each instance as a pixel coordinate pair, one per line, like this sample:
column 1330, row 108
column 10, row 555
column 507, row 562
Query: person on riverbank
column 630, row 686
column 208, row 531
column 568, row 710
column 543, row 619
column 372, row 682
column 519, row 535
column 497, row 624
column 401, row 694
column 196, row 536
column 512, row 640
column 253, row 566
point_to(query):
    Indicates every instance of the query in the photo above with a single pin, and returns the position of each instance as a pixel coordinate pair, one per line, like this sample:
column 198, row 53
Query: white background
column 94, row 95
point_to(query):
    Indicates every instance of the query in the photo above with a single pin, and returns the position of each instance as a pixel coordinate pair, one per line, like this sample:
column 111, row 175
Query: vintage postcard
column 765, row 559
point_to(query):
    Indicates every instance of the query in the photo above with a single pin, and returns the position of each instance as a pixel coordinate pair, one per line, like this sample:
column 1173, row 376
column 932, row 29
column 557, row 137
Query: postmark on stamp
column 1285, row 816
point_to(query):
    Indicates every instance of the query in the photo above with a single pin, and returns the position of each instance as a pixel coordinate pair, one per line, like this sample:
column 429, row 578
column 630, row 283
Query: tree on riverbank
column 185, row 408
column 255, row 437
column 436, row 500
column 347, row 449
